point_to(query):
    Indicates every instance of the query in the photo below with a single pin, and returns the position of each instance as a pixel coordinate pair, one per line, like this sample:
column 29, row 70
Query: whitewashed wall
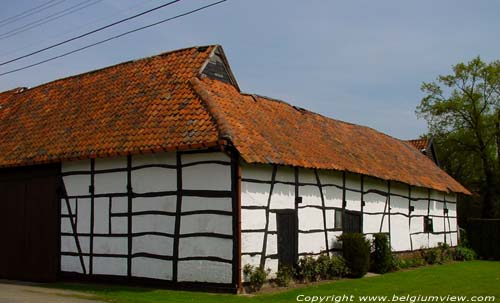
column 382, row 212
column 205, row 229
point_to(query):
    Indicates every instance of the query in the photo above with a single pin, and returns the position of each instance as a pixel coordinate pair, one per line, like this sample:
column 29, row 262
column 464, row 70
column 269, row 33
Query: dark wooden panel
column 352, row 222
column 287, row 238
column 29, row 211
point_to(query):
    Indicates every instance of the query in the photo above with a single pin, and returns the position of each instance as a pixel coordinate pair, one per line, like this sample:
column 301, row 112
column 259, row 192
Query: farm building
column 161, row 170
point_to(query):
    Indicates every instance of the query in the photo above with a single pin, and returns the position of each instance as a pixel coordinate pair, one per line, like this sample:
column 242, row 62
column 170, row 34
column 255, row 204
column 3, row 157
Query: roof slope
column 132, row 107
column 159, row 103
column 420, row 144
column 270, row 131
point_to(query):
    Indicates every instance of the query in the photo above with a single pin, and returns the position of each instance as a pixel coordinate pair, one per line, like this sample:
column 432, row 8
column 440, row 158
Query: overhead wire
column 30, row 12
column 89, row 33
column 113, row 37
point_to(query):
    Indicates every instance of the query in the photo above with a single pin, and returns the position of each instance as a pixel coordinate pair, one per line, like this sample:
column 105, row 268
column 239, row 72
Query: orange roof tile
column 420, row 144
column 159, row 103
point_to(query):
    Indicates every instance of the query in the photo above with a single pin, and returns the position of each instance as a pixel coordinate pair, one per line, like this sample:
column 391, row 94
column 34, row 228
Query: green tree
column 463, row 112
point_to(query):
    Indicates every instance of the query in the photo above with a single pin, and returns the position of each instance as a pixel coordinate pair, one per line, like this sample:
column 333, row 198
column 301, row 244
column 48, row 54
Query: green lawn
column 471, row 278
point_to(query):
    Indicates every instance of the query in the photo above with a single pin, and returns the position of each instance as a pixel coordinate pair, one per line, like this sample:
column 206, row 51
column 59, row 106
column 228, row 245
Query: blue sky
column 358, row 61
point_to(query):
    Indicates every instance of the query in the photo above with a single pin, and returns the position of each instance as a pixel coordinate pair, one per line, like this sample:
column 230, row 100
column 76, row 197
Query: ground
column 474, row 278
column 28, row 293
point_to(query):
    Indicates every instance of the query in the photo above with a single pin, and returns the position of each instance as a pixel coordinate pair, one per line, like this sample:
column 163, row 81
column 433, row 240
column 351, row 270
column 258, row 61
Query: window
column 428, row 225
column 338, row 219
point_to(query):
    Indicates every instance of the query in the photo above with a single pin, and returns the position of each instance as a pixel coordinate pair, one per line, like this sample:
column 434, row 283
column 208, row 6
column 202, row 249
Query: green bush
column 307, row 269
column 445, row 253
column 284, row 276
column 356, row 252
column 403, row 263
column 464, row 254
column 431, row 256
column 255, row 276
column 464, row 240
column 338, row 267
column 381, row 257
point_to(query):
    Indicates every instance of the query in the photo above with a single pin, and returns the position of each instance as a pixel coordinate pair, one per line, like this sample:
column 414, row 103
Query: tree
column 463, row 112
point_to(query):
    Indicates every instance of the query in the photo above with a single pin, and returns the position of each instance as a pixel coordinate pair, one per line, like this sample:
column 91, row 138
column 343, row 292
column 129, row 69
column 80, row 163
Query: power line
column 48, row 18
column 30, row 12
column 113, row 37
column 90, row 32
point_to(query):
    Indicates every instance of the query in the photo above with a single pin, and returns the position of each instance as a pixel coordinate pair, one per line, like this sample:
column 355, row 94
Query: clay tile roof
column 133, row 107
column 265, row 130
column 420, row 144
column 165, row 103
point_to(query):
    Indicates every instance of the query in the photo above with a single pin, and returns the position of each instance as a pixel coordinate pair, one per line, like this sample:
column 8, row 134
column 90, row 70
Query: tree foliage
column 462, row 110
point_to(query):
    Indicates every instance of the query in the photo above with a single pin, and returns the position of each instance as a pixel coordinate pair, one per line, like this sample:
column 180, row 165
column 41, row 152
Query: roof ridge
column 121, row 64
column 223, row 127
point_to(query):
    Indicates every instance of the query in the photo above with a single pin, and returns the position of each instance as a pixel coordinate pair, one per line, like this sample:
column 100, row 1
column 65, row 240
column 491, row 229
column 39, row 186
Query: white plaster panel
column 420, row 241
column 310, row 218
column 399, row 204
column 310, row 195
column 253, row 219
column 437, row 224
column 333, row 241
column 353, row 200
column 68, row 244
column 110, row 163
column 168, row 158
column 119, row 204
column 371, row 223
column 330, row 177
column 72, row 205
column 420, row 207
column 330, row 218
column 374, row 203
column 251, row 242
column 452, row 209
column 206, row 247
column 66, row 225
column 400, row 235
column 77, row 185
column 153, row 244
column 333, row 196
column 101, row 215
column 83, row 222
column 283, row 196
column 254, row 193
column 109, row 266
column 272, row 244
column 148, row 223
column 353, row 181
column 110, row 245
column 152, row 268
column 207, row 177
column 110, row 183
column 154, row 179
column 434, row 240
column 204, row 271
column 399, row 189
column 307, row 176
column 248, row 259
column 437, row 195
column 452, row 224
column 220, row 224
column 197, row 157
column 72, row 264
column 257, row 172
column 272, row 264
column 272, row 222
column 419, row 193
column 165, row 203
column 417, row 224
column 71, row 166
column 285, row 174
column 311, row 242
column 119, row 225
column 203, row 203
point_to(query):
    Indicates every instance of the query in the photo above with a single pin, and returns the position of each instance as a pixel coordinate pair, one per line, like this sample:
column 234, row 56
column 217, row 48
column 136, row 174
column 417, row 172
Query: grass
column 473, row 278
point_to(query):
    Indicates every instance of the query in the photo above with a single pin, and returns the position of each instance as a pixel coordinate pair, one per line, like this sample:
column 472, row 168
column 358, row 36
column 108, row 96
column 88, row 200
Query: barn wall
column 166, row 216
column 385, row 207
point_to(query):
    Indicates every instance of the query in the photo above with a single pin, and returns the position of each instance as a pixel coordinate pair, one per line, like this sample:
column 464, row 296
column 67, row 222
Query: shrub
column 464, row 254
column 464, row 240
column 445, row 253
column 381, row 257
column 307, row 270
column 338, row 267
column 255, row 276
column 323, row 267
column 400, row 263
column 356, row 252
column 431, row 256
column 284, row 276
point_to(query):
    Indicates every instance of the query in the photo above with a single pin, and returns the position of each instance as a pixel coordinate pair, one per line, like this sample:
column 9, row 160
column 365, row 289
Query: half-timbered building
column 161, row 170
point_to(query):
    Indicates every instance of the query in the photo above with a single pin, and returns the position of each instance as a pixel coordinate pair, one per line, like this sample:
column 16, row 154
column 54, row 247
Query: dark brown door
column 287, row 238
column 352, row 222
column 29, row 223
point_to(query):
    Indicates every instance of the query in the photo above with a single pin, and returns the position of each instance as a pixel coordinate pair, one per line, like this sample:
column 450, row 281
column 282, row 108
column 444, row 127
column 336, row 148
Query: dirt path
column 13, row 292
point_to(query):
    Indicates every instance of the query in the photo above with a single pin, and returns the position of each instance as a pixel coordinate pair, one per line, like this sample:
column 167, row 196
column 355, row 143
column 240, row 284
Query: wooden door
column 352, row 222
column 287, row 238
column 29, row 220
